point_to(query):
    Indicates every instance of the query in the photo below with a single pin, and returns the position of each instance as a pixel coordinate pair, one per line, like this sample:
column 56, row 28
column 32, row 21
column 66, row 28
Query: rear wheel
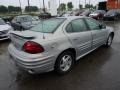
column 109, row 41
column 64, row 63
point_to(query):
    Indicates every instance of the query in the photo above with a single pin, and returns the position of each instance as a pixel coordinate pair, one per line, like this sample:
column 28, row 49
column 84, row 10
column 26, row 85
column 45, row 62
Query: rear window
column 25, row 19
column 48, row 26
column 111, row 12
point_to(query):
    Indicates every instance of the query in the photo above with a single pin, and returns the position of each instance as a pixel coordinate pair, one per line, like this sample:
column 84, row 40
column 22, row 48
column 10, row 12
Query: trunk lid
column 18, row 38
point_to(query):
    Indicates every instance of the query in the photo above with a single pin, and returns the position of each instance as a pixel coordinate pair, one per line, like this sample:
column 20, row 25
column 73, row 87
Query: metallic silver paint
column 54, row 44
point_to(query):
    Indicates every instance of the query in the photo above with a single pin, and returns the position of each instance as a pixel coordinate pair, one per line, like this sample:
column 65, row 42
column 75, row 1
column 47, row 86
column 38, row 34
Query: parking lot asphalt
column 99, row 70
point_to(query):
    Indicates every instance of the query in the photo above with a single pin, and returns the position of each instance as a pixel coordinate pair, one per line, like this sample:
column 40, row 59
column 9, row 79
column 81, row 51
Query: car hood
column 4, row 27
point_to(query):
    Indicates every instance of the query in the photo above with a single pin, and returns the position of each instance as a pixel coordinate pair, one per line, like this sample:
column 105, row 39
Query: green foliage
column 3, row 9
column 90, row 6
column 14, row 9
column 31, row 9
column 62, row 7
column 70, row 6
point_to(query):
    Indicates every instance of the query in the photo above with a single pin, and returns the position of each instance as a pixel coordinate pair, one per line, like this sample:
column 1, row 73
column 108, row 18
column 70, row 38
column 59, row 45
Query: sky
column 39, row 2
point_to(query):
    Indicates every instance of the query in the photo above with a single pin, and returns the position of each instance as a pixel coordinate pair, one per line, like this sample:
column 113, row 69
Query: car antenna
column 42, row 21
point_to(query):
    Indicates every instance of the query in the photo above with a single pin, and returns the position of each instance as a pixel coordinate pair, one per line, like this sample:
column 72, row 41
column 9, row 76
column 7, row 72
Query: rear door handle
column 75, row 39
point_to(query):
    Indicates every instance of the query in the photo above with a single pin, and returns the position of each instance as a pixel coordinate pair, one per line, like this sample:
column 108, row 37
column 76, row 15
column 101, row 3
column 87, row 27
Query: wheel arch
column 69, row 49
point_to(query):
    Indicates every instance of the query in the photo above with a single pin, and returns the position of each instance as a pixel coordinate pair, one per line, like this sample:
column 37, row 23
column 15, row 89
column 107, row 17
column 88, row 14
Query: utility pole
column 28, row 5
column 44, row 6
column 89, row 4
column 59, row 7
column 79, row 4
column 85, row 2
column 40, row 5
column 20, row 6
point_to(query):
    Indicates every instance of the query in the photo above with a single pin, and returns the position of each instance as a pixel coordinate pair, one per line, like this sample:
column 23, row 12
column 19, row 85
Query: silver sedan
column 55, row 44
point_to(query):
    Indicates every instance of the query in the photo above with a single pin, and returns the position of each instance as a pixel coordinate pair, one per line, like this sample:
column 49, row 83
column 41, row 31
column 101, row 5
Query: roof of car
column 22, row 15
column 72, row 17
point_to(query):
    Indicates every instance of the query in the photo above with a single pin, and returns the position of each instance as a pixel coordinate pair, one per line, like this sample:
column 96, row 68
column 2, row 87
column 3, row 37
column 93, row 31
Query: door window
column 69, row 28
column 92, row 24
column 77, row 25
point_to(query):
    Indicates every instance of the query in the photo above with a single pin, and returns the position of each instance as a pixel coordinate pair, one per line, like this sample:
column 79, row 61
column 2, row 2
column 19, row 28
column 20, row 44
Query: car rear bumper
column 34, row 66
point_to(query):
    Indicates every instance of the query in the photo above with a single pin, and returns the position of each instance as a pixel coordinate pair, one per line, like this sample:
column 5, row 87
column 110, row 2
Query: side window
column 92, row 24
column 69, row 28
column 78, row 25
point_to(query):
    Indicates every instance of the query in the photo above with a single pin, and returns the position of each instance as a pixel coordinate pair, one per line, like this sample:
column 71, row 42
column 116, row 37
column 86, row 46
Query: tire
column 64, row 63
column 109, row 40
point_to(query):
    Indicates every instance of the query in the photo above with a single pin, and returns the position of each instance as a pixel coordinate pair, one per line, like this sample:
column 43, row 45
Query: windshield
column 2, row 22
column 48, row 26
column 86, row 12
column 98, row 11
column 111, row 12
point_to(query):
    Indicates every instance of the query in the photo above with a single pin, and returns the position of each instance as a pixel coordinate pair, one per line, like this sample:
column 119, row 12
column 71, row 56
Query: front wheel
column 64, row 63
column 109, row 41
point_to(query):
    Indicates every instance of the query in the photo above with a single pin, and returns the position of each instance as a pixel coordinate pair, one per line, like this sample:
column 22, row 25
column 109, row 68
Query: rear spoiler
column 25, row 37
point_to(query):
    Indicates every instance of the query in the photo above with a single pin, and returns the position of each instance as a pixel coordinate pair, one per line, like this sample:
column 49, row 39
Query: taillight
column 32, row 47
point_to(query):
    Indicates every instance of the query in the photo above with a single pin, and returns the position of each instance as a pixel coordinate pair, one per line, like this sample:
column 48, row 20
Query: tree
column 3, row 9
column 31, row 8
column 87, row 6
column 10, row 9
column 35, row 8
column 14, row 9
column 17, row 9
column 90, row 6
column 80, row 6
column 62, row 7
column 70, row 6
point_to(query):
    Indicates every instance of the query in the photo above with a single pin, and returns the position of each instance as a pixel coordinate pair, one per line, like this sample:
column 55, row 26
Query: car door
column 99, row 32
column 79, row 36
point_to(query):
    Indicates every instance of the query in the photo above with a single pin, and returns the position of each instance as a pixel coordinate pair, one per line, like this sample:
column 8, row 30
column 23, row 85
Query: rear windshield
column 48, row 26
column 2, row 22
column 25, row 19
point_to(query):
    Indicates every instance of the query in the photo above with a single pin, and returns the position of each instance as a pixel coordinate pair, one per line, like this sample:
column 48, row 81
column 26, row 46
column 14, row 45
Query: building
column 52, row 7
column 113, row 4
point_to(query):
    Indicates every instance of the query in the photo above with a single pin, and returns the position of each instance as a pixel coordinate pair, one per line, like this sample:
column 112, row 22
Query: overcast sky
column 39, row 2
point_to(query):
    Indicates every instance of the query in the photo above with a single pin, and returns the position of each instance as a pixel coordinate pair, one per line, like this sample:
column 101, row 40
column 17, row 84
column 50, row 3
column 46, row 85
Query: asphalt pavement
column 99, row 70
